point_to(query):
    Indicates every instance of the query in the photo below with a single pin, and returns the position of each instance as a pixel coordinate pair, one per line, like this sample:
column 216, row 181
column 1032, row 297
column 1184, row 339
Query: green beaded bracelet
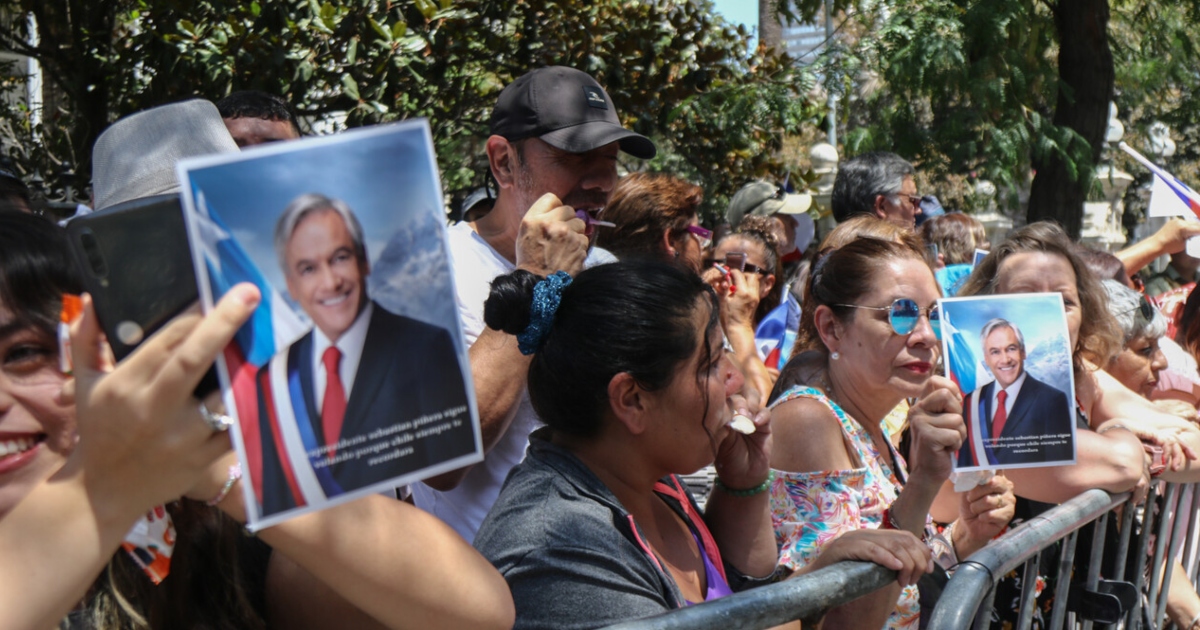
column 748, row 492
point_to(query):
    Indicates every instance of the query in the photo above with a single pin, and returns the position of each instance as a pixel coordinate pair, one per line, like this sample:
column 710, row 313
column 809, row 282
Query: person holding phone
column 67, row 504
column 744, row 269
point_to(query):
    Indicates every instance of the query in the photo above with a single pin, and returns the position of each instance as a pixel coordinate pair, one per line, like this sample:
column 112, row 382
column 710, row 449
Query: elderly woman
column 65, row 507
column 1140, row 361
column 870, row 316
column 594, row 526
column 654, row 215
column 1137, row 367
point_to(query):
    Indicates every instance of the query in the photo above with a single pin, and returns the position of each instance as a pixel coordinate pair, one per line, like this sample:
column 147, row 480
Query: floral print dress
column 810, row 509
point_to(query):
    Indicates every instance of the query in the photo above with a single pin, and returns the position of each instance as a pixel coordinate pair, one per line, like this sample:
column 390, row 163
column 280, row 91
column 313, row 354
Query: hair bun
column 507, row 306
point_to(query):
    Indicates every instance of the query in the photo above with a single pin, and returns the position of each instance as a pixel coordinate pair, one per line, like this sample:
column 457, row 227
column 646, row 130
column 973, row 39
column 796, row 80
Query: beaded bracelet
column 235, row 473
column 747, row 492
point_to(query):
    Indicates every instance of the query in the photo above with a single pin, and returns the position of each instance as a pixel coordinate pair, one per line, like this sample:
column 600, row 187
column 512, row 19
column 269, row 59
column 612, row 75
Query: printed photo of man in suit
column 360, row 371
column 1015, row 405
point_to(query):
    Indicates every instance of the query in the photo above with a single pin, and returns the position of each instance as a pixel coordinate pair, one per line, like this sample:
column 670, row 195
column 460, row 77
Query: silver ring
column 218, row 422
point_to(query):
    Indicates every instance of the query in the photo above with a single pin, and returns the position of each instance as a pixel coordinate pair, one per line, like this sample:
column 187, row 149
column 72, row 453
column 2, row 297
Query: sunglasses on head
column 904, row 313
column 737, row 260
column 1144, row 310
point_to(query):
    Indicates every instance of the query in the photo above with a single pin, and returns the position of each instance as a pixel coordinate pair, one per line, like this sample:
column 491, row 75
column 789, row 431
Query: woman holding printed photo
column 65, row 507
column 868, row 340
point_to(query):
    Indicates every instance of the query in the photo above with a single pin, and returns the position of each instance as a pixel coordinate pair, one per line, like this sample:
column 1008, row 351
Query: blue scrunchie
column 547, row 294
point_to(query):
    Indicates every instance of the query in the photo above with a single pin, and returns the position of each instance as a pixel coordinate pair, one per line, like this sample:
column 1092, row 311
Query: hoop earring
column 834, row 355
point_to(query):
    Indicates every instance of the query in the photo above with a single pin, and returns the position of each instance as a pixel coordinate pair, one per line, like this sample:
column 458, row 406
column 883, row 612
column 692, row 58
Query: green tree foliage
column 675, row 70
column 1007, row 88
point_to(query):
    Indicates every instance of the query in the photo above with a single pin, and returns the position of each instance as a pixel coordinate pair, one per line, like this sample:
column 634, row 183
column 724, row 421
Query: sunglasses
column 737, row 261
column 703, row 236
column 904, row 313
column 1145, row 310
column 914, row 200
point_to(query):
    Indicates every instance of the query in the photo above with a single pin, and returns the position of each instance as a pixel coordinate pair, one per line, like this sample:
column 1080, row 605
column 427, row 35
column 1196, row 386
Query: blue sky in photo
column 387, row 175
column 1039, row 317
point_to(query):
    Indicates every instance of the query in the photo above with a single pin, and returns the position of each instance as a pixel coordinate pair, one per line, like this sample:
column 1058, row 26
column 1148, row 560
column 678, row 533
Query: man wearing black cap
column 553, row 154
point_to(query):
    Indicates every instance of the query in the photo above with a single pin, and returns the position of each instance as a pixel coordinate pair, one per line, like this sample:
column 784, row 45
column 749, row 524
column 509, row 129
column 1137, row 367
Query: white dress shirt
column 351, row 346
column 1013, row 390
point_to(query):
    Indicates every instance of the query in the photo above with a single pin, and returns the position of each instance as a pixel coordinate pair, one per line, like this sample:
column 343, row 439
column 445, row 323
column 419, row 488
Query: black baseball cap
column 567, row 109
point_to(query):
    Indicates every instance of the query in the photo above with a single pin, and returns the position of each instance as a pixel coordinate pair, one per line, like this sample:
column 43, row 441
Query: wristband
column 747, row 492
column 1110, row 427
column 235, row 473
column 890, row 522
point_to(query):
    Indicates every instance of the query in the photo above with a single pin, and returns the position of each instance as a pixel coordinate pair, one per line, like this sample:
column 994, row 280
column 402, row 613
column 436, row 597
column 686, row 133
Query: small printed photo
column 352, row 376
column 980, row 254
column 1010, row 355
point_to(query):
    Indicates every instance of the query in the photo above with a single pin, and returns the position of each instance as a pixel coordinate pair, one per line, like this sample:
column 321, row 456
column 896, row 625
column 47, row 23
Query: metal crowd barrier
column 1133, row 598
column 806, row 598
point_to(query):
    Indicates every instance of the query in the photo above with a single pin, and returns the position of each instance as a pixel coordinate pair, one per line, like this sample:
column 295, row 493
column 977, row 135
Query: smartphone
column 135, row 262
column 736, row 260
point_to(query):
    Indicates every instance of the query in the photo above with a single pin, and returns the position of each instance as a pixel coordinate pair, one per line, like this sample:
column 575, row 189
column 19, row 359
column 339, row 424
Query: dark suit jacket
column 1039, row 409
column 408, row 369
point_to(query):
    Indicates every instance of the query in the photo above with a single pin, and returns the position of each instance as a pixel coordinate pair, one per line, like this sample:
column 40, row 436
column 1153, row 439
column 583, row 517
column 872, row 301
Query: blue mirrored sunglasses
column 904, row 313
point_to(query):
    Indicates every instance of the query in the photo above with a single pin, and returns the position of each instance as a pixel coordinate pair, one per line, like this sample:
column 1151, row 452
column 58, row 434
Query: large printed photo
column 1011, row 357
column 352, row 376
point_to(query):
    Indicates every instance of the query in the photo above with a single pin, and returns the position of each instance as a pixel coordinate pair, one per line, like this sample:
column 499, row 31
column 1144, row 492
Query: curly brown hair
column 760, row 229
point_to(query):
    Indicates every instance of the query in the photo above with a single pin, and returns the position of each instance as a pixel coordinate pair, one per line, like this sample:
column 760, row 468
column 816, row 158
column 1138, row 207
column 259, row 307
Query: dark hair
column 843, row 276
column 14, row 194
column 217, row 579
column 1187, row 324
column 258, row 104
column 759, row 229
column 644, row 207
column 954, row 234
column 35, row 269
column 861, row 178
column 1099, row 336
column 1103, row 265
column 628, row 316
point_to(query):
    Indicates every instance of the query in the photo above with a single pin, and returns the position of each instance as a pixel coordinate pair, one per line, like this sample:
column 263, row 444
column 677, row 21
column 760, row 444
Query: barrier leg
column 1134, row 619
column 1095, row 559
column 1162, row 537
column 1066, row 563
column 1028, row 592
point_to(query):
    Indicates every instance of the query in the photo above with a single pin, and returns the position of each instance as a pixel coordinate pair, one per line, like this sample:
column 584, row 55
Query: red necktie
column 333, row 408
column 998, row 418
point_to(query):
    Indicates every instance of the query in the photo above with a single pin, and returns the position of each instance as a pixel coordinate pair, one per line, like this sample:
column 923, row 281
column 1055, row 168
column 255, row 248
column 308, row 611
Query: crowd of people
column 667, row 417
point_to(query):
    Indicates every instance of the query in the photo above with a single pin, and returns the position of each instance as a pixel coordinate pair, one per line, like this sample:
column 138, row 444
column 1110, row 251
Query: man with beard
column 553, row 153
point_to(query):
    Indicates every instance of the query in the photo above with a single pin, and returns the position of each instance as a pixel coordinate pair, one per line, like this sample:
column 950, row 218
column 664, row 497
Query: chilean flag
column 960, row 360
column 1169, row 196
column 272, row 326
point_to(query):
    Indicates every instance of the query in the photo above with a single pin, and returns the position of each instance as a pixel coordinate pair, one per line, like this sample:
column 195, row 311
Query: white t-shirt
column 475, row 264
